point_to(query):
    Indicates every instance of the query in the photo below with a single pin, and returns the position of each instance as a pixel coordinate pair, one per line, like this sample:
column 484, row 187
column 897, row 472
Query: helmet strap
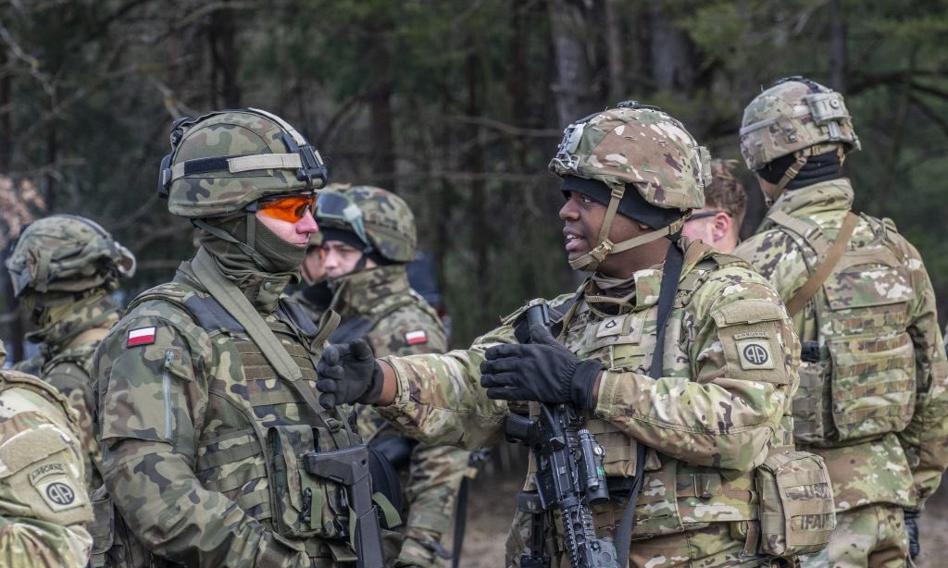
column 792, row 172
column 604, row 247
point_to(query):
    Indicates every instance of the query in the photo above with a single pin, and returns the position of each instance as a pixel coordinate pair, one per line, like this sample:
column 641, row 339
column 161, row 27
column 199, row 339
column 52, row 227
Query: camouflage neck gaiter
column 262, row 285
column 59, row 318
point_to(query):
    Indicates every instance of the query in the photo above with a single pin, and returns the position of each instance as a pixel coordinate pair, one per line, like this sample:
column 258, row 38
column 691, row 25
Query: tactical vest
column 678, row 497
column 857, row 378
column 256, row 427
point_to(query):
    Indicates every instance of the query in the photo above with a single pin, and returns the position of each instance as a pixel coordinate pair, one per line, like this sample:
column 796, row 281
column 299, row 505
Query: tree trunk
column 615, row 51
column 473, row 160
column 379, row 57
column 225, row 58
column 671, row 54
column 573, row 89
column 6, row 117
column 838, row 53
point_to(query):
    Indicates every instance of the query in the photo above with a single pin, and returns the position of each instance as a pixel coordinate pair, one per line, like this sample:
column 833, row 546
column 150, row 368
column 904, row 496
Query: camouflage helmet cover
column 792, row 115
column 226, row 160
column 67, row 253
column 640, row 145
column 387, row 220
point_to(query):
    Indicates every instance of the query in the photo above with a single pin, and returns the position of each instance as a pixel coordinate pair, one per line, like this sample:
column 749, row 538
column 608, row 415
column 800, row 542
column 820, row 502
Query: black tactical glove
column 543, row 370
column 348, row 373
column 911, row 527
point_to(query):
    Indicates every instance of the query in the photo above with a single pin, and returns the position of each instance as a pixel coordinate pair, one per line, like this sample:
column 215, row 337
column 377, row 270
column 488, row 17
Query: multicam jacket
column 873, row 399
column 200, row 437
column 43, row 502
column 379, row 305
column 728, row 377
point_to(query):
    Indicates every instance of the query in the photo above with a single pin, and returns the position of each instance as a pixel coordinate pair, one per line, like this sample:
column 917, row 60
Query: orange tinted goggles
column 290, row 209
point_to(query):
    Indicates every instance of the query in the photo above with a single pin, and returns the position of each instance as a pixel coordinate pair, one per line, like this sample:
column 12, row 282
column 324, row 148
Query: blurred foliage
column 456, row 105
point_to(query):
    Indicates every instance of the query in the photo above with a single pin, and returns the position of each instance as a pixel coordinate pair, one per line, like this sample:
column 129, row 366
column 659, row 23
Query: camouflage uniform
column 201, row 422
column 64, row 268
column 870, row 338
column 378, row 305
column 43, row 504
column 713, row 416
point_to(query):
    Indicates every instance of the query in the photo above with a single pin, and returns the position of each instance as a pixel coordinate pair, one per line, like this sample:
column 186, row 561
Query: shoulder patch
column 140, row 336
column 418, row 337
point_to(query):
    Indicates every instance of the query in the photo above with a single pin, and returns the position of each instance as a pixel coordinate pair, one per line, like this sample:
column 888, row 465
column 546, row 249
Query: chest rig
column 857, row 376
column 678, row 497
column 262, row 440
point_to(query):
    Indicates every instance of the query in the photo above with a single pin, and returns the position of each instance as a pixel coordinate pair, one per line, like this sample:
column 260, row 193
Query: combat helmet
column 642, row 163
column 382, row 221
column 67, row 254
column 225, row 162
column 795, row 116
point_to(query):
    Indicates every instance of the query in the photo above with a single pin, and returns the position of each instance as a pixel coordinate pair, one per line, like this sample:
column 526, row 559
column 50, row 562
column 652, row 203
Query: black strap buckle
column 637, row 105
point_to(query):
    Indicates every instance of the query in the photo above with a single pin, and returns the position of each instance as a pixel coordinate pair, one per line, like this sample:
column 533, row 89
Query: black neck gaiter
column 823, row 167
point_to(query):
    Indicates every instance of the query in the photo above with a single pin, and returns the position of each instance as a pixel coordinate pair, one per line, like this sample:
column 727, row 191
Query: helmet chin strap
column 605, row 247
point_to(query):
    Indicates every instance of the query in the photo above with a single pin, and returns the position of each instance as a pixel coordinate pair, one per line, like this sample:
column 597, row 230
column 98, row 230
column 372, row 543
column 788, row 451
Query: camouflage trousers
column 715, row 546
column 873, row 535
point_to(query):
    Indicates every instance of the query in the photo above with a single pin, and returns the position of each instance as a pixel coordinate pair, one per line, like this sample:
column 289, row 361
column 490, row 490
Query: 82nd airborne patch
column 755, row 354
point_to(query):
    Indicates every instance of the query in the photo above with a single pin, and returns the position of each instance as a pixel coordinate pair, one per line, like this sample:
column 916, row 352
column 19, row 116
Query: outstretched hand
column 348, row 373
column 542, row 370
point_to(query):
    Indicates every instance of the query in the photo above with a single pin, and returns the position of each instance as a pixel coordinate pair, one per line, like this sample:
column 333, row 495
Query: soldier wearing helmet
column 214, row 446
column 368, row 240
column 672, row 353
column 63, row 269
column 872, row 397
column 44, row 506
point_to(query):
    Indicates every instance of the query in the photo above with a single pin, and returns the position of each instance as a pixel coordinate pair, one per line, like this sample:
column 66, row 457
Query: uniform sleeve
column 43, row 501
column 925, row 439
column 435, row 472
column 439, row 399
column 744, row 355
column 29, row 543
column 76, row 386
column 152, row 400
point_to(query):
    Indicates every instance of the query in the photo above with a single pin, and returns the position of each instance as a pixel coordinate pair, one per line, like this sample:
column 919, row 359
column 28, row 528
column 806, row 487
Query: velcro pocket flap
column 747, row 312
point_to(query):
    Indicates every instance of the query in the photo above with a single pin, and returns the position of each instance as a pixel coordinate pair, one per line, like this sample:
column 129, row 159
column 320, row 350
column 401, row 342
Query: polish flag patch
column 140, row 336
column 416, row 337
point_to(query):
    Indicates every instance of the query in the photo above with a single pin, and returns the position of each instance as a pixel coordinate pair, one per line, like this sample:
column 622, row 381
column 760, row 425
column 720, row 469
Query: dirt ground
column 493, row 499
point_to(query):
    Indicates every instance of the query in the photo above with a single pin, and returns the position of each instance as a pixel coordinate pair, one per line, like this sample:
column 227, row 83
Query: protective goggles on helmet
column 289, row 208
column 333, row 206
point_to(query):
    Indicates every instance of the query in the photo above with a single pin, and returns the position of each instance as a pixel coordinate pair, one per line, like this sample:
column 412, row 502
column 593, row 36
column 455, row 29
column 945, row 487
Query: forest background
column 455, row 105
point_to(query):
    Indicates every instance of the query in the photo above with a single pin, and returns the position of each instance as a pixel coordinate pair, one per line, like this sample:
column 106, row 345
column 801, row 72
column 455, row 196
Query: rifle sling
column 825, row 267
column 671, row 273
column 460, row 521
column 239, row 307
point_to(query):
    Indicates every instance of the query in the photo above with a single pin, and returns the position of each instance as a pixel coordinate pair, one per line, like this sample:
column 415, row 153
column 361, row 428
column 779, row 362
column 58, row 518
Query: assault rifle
column 569, row 478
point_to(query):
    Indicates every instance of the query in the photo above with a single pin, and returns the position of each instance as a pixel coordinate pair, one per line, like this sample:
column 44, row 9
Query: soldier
column 368, row 239
column 314, row 296
column 43, row 504
column 694, row 358
column 718, row 223
column 63, row 269
column 872, row 398
column 208, row 417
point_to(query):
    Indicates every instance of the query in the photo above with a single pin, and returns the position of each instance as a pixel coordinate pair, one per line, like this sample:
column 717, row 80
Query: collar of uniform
column 833, row 195
column 91, row 312
column 363, row 292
